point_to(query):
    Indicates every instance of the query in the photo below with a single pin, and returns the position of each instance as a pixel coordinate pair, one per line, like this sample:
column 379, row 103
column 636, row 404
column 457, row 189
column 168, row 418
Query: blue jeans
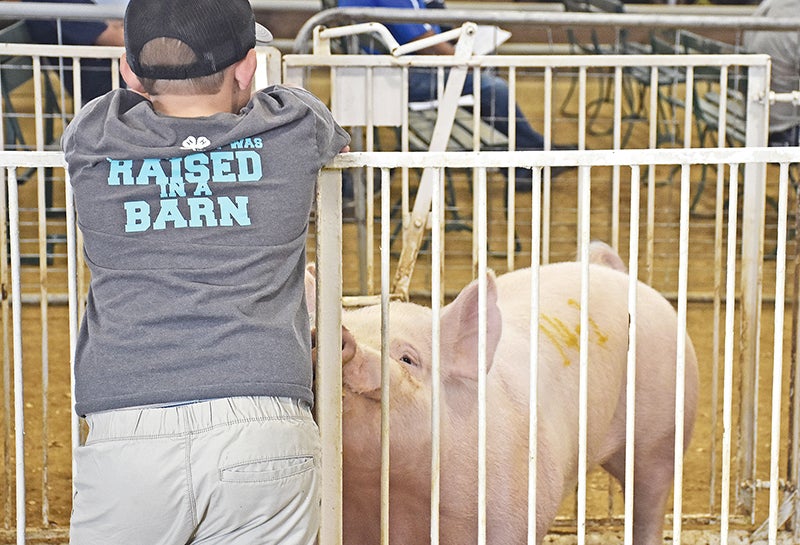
column 787, row 137
column 422, row 86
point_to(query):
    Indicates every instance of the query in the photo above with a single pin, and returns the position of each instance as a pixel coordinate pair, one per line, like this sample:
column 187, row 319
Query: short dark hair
column 172, row 52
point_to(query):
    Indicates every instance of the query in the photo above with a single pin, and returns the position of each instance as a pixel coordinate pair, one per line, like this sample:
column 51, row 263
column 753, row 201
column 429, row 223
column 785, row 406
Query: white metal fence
column 749, row 299
column 620, row 101
column 745, row 496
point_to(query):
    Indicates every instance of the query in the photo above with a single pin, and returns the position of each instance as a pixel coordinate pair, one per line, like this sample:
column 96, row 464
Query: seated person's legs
column 423, row 86
column 787, row 137
column 494, row 110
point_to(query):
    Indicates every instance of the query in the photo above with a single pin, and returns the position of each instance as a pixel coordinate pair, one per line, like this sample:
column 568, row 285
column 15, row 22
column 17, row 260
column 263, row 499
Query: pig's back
column 560, row 294
column 559, row 324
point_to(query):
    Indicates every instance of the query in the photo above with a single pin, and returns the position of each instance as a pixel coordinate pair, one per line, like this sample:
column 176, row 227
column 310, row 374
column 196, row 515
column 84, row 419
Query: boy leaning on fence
column 193, row 365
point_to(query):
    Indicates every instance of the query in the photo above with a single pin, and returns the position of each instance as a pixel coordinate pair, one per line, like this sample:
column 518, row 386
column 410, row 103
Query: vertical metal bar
column 370, row 200
column 616, row 137
column 512, row 174
column 687, row 117
column 614, row 203
column 615, row 170
column 533, row 429
column 476, row 145
column 386, row 372
column 651, row 225
column 777, row 361
column 74, row 311
column 482, row 364
column 329, row 350
column 651, row 178
column 582, row 107
column 44, row 335
column 41, row 213
column 582, row 171
column 546, row 194
column 630, row 394
column 727, row 385
column 476, row 111
column 436, row 359
column 4, row 305
column 584, row 197
column 42, row 247
column 651, row 187
column 16, row 310
column 715, row 336
column 753, row 211
column 652, row 124
column 476, row 249
column 680, row 364
column 6, row 316
column 76, row 82
column 793, row 471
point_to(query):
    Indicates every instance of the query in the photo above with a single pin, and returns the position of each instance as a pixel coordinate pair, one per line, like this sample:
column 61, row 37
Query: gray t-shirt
column 195, row 234
column 784, row 49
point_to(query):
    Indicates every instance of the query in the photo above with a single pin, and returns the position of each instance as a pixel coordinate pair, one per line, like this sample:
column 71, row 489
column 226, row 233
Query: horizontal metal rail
column 538, row 18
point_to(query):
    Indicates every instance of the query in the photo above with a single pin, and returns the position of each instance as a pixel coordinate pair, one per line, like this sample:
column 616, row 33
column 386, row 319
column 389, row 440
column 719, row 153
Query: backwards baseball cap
column 220, row 32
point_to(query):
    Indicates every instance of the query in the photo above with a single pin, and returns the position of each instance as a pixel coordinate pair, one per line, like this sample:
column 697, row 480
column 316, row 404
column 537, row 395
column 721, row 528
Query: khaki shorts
column 235, row 471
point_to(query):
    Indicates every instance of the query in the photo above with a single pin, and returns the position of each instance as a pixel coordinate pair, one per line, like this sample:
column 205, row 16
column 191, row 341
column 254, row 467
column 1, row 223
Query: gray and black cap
column 220, row 32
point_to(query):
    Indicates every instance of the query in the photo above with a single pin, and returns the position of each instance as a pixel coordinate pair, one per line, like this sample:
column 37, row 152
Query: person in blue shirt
column 422, row 82
column 95, row 73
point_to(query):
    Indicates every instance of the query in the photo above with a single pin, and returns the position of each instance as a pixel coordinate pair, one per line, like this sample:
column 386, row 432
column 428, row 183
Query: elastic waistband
column 192, row 417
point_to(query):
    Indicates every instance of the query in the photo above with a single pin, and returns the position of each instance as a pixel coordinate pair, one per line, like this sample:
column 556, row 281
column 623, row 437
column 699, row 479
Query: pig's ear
column 603, row 254
column 459, row 326
column 311, row 289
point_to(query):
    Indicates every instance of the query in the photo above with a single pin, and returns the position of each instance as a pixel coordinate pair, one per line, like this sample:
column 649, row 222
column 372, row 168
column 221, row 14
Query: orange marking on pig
column 602, row 338
column 563, row 338
column 559, row 335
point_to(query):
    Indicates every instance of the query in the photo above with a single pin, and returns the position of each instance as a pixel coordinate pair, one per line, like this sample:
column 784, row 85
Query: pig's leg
column 653, row 473
column 551, row 486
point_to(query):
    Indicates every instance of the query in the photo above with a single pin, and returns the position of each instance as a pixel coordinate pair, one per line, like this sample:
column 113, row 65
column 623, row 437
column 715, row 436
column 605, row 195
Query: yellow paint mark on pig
column 601, row 337
column 566, row 339
column 560, row 337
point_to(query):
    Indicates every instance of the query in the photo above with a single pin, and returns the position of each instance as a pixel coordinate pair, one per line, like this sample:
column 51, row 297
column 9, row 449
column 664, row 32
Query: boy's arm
column 331, row 139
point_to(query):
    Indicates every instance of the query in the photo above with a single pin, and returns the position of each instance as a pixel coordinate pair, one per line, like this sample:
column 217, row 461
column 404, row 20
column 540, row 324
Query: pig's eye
column 408, row 360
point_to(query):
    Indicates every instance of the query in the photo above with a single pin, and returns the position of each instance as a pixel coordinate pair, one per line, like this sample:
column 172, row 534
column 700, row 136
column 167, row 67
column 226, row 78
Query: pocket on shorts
column 266, row 470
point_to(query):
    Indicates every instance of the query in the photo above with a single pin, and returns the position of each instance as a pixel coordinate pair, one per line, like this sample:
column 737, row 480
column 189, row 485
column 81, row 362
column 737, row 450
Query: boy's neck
column 194, row 105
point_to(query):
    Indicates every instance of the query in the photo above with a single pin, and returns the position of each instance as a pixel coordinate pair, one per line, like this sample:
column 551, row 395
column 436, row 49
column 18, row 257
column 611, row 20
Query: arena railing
column 753, row 484
column 380, row 81
column 738, row 258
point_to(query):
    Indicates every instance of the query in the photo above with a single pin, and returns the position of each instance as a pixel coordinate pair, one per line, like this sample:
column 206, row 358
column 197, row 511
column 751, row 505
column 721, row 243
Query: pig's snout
column 348, row 345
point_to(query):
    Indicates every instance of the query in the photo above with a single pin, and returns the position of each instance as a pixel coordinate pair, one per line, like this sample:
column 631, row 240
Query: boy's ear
column 245, row 70
column 130, row 78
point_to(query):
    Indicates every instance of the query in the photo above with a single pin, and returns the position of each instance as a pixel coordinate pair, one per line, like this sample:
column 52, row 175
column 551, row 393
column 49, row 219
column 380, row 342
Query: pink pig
column 508, row 349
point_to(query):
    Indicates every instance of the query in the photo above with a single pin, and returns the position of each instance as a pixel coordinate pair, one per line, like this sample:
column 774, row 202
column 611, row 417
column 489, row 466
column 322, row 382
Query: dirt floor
column 48, row 493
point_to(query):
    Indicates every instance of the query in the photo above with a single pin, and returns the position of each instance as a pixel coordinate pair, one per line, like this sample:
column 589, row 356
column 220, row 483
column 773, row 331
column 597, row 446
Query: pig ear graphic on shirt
column 460, row 328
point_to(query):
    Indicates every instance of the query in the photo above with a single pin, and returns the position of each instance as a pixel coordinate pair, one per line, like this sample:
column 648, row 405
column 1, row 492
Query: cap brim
column 263, row 36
